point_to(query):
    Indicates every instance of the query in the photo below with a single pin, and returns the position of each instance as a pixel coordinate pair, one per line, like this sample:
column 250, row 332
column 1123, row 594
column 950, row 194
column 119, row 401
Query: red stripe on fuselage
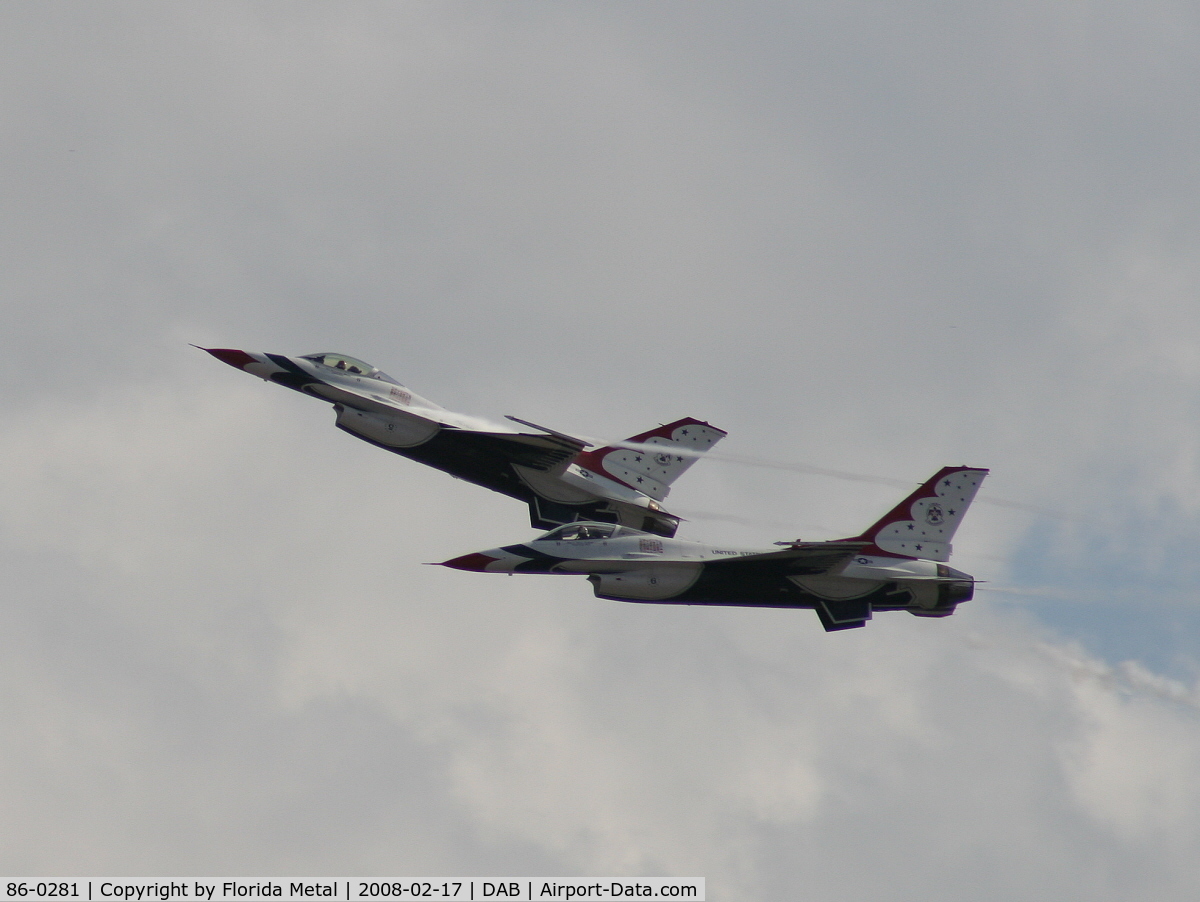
column 477, row 562
column 239, row 359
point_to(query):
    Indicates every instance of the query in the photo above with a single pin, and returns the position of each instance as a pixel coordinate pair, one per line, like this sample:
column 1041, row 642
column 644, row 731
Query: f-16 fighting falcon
column 557, row 475
column 899, row 564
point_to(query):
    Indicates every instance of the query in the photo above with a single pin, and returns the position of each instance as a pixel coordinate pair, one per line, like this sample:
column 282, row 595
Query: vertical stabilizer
column 657, row 458
column 922, row 525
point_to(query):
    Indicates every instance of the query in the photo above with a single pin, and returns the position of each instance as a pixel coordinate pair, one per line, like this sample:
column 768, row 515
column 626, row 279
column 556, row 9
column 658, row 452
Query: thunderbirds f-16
column 899, row 564
column 557, row 475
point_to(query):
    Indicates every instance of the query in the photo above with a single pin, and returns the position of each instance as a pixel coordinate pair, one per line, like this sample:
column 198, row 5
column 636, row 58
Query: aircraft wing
column 802, row 558
column 538, row 452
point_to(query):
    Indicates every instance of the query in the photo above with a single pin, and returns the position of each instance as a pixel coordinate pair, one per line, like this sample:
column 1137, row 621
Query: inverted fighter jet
column 560, row 477
column 899, row 564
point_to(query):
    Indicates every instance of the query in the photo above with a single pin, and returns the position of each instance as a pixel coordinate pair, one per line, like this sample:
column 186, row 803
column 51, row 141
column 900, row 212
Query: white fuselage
column 630, row 565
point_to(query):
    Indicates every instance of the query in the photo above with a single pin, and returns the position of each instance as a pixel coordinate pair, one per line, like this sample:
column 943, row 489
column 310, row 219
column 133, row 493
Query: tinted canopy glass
column 580, row 532
column 346, row 364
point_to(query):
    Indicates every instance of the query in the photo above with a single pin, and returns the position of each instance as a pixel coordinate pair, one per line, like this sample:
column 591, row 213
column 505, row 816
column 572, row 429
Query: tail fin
column 922, row 525
column 646, row 468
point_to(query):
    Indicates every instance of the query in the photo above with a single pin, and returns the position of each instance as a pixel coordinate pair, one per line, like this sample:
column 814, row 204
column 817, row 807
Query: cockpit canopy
column 586, row 532
column 352, row 365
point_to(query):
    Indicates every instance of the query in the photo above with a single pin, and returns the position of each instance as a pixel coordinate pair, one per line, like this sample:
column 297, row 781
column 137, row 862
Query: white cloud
column 248, row 668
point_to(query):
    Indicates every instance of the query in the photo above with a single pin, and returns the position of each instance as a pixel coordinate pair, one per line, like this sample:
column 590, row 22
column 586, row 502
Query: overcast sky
column 876, row 238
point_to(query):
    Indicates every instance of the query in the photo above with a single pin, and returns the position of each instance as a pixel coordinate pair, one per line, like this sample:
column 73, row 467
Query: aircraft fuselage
column 542, row 468
column 623, row 565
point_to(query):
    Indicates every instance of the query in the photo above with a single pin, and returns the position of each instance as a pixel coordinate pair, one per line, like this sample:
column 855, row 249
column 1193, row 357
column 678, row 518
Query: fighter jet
column 899, row 564
column 562, row 479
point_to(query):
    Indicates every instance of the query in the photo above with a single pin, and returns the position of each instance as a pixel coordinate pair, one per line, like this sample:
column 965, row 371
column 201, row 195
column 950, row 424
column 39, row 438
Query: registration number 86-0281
column 43, row 890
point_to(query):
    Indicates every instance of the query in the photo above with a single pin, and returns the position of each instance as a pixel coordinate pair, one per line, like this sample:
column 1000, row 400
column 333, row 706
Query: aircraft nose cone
column 234, row 358
column 476, row 561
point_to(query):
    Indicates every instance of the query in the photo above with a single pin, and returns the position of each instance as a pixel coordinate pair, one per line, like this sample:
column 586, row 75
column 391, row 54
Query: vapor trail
column 1127, row 678
column 791, row 466
column 1034, row 592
